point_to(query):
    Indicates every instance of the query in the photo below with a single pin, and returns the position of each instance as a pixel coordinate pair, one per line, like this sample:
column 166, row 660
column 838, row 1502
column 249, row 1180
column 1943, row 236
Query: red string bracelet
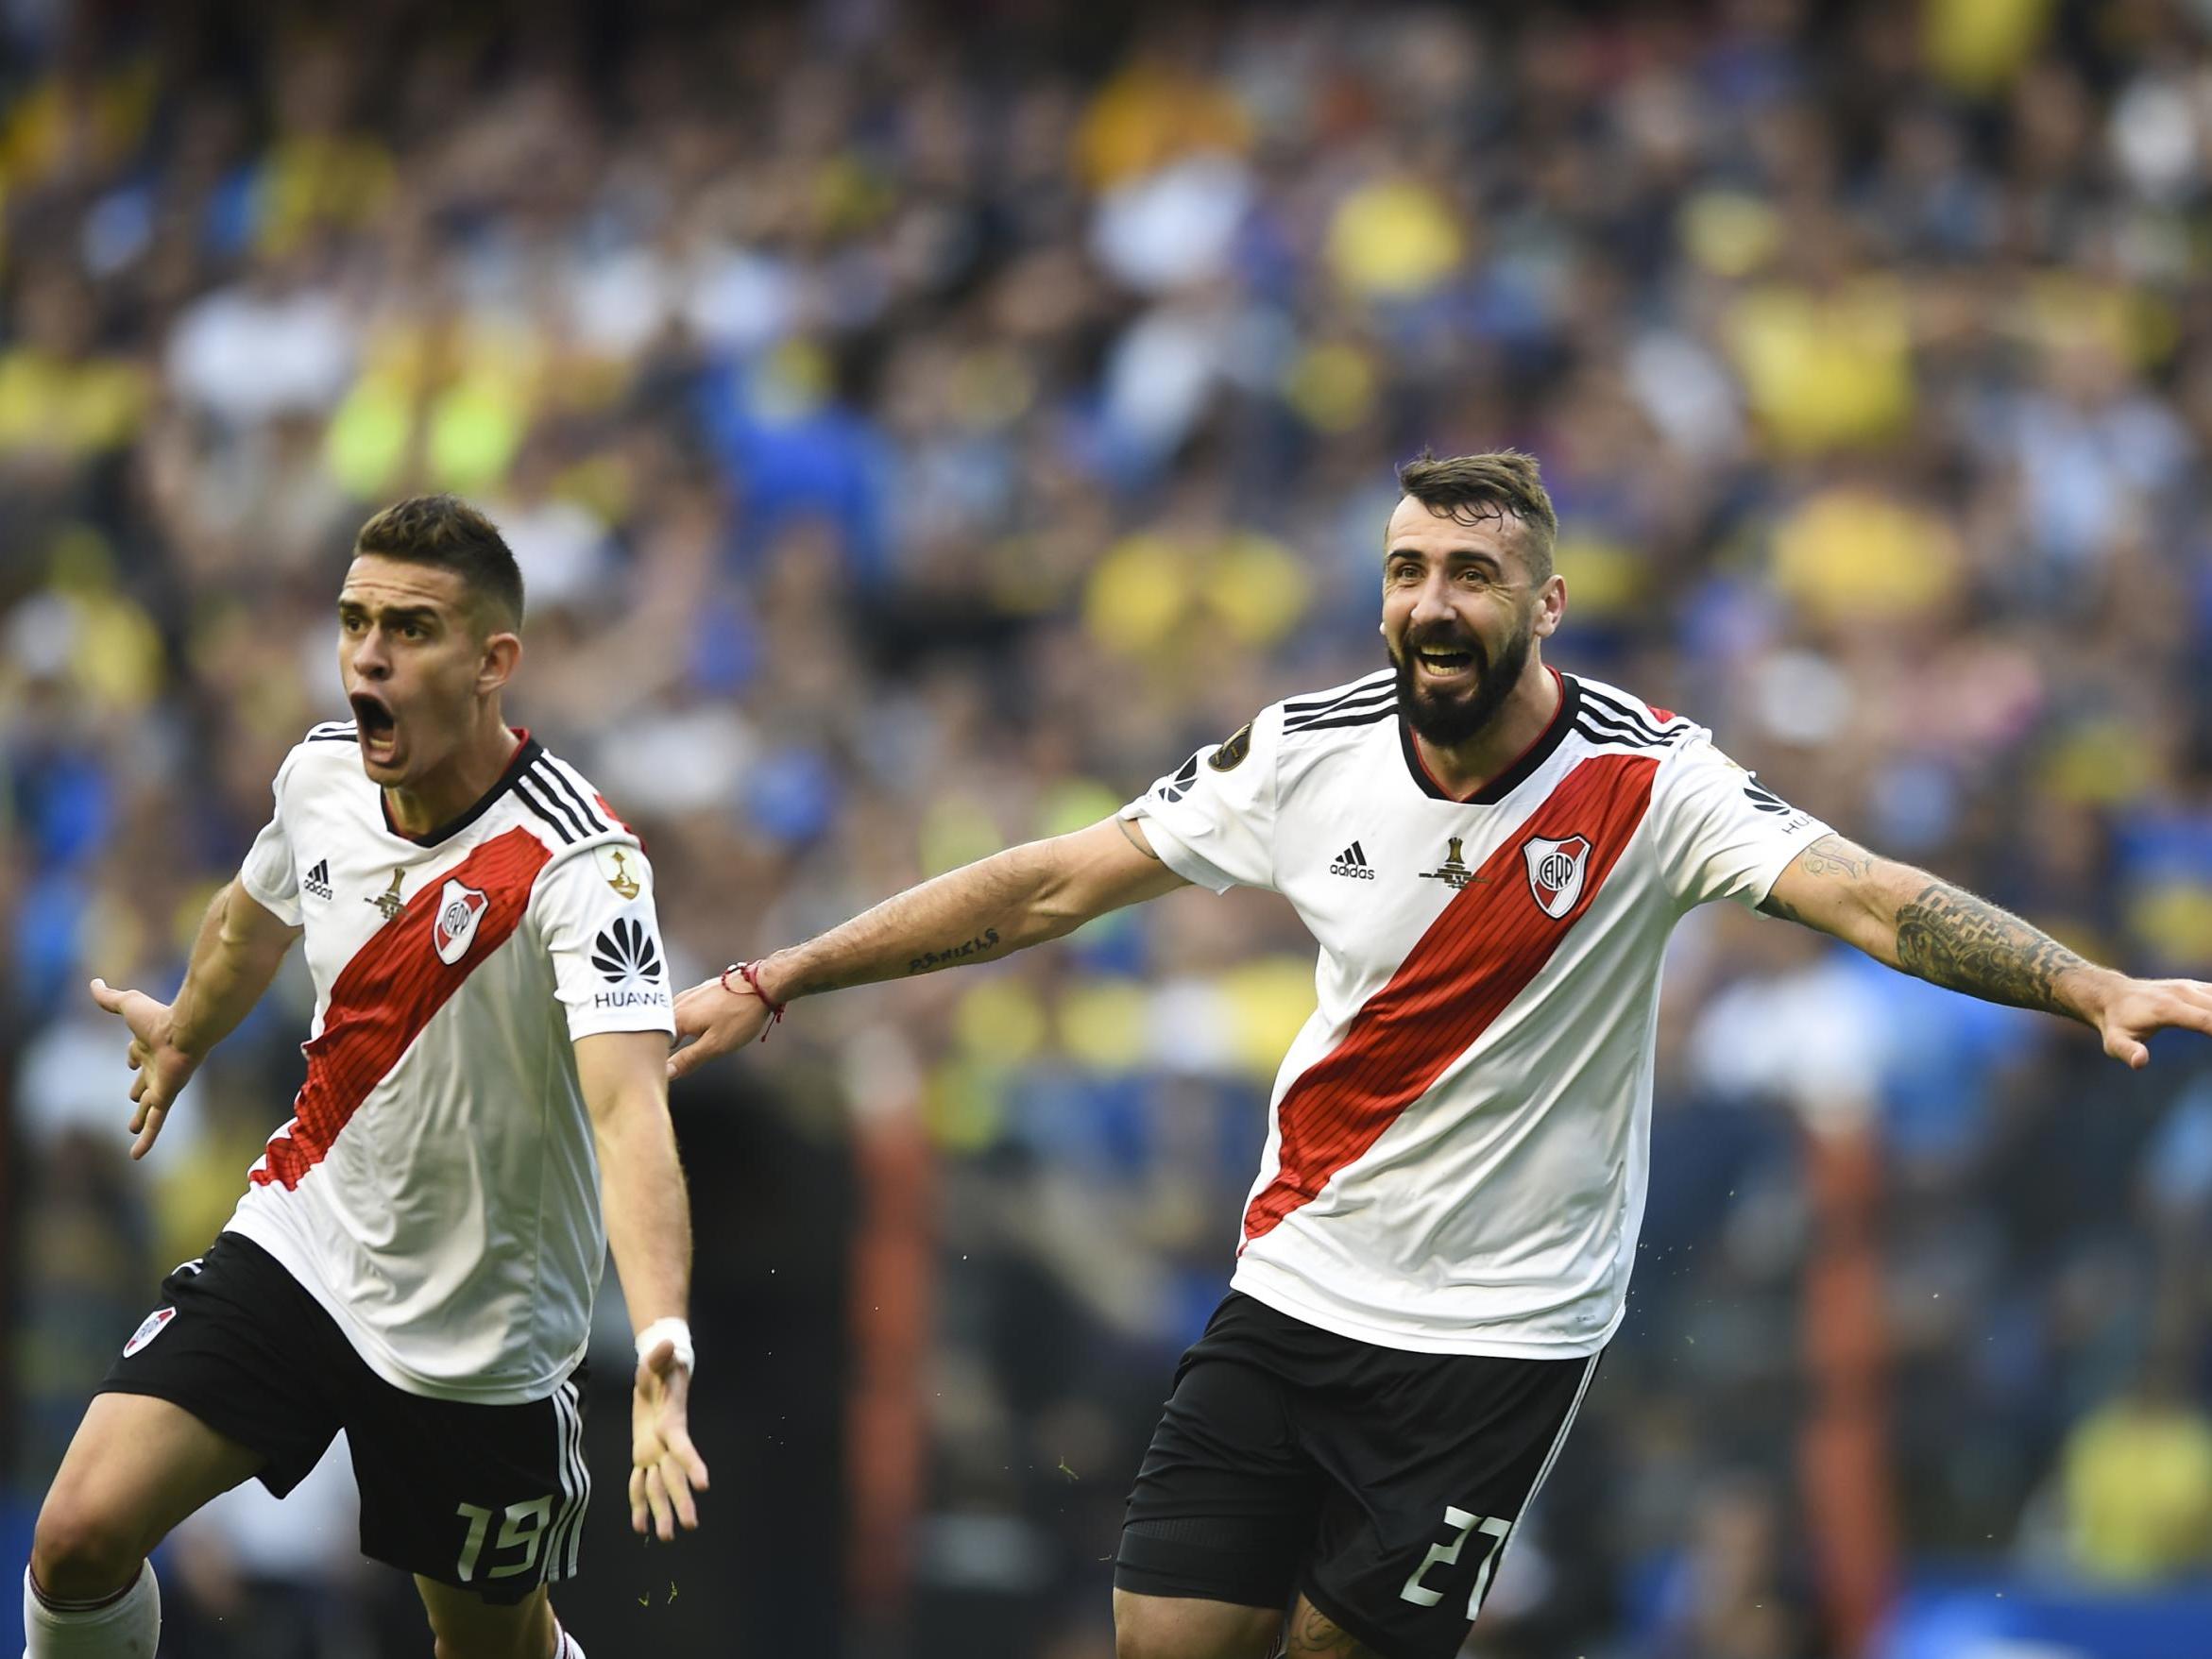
column 749, row 973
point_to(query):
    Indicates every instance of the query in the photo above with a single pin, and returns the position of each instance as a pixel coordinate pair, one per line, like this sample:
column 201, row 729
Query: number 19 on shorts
column 522, row 1527
column 1494, row 1532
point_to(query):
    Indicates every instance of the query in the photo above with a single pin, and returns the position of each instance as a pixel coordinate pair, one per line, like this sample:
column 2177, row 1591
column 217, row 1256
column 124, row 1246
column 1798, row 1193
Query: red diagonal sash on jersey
column 388, row 991
column 1490, row 942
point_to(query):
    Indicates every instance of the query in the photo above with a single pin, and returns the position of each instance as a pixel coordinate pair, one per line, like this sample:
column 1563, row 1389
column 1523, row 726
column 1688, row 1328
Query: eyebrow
column 391, row 615
column 1454, row 556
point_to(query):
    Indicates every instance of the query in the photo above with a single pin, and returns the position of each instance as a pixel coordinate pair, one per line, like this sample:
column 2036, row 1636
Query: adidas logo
column 1353, row 862
column 319, row 880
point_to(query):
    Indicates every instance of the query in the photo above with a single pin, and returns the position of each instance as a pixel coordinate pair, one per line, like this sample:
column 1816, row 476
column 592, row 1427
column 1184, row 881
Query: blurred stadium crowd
column 918, row 428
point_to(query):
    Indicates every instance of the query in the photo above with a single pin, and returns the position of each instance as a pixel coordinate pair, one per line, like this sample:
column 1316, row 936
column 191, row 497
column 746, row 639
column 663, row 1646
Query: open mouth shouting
column 1447, row 662
column 378, row 729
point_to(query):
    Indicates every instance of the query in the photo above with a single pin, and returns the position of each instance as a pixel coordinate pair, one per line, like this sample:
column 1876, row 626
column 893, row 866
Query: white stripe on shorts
column 1559, row 1441
column 563, row 1541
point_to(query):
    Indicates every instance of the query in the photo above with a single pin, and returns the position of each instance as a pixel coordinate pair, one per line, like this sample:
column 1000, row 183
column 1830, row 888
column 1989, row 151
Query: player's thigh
column 1425, row 1497
column 1178, row 1627
column 136, row 1467
column 468, row 1627
column 222, row 1380
column 487, row 1500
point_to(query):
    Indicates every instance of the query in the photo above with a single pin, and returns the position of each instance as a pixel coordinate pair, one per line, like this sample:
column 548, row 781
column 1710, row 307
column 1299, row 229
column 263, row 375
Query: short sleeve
column 594, row 913
column 1212, row 819
column 1721, row 833
column 268, row 875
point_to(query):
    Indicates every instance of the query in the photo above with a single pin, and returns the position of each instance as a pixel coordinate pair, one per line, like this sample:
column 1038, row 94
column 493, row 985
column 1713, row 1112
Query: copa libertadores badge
column 1231, row 754
column 1554, row 871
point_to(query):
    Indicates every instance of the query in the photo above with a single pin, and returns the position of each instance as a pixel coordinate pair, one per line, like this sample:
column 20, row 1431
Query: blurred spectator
column 2137, row 1474
column 1736, row 1593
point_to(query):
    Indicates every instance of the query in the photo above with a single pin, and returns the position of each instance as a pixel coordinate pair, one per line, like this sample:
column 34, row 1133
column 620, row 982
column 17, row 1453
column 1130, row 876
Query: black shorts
column 1381, row 1484
column 490, row 1498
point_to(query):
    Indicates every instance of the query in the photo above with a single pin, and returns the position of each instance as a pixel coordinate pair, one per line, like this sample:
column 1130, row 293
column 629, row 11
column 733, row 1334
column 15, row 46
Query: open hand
column 2138, row 1007
column 712, row 1019
column 162, row 1068
column 665, row 1468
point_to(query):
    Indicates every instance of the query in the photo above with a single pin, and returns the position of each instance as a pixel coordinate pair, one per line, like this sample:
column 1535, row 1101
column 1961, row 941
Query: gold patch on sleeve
column 1231, row 754
column 623, row 868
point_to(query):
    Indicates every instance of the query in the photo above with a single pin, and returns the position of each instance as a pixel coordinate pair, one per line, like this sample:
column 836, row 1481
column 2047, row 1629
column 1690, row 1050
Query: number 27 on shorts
column 1447, row 1554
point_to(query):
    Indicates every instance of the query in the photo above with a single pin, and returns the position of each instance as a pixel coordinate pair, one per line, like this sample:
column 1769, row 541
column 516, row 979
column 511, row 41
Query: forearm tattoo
column 1949, row 937
column 1832, row 857
column 981, row 944
column 881, row 943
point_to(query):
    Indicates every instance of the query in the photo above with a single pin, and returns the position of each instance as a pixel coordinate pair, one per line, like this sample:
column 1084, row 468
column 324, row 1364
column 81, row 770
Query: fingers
column 107, row 996
column 685, row 1454
column 691, row 1017
column 697, row 1008
column 716, row 1019
column 2175, row 1005
column 688, row 1059
column 2123, row 1045
column 661, row 1493
column 676, row 1480
column 147, row 1126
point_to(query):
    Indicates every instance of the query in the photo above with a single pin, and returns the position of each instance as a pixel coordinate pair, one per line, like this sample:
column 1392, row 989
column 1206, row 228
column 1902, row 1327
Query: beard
column 1449, row 719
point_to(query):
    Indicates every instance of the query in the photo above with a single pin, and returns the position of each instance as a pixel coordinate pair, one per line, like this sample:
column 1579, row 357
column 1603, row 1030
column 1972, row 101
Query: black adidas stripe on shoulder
column 1620, row 740
column 571, row 787
column 1346, row 717
column 1380, row 697
column 332, row 732
column 1601, row 727
column 553, row 812
column 1613, row 711
column 1299, row 711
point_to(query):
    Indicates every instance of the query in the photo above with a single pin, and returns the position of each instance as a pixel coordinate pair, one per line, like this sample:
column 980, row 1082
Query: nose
column 369, row 661
column 1433, row 602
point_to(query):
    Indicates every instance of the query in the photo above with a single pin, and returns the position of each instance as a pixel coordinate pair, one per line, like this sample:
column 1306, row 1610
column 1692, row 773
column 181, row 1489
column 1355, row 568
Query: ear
column 502, row 656
column 1551, row 607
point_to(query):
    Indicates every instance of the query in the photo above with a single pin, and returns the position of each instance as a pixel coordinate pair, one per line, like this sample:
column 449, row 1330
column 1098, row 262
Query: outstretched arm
column 1945, row 935
column 238, row 951
column 649, row 1229
column 977, row 913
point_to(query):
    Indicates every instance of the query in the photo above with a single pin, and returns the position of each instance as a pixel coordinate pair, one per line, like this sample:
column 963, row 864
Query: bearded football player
column 1490, row 855
column 486, row 1112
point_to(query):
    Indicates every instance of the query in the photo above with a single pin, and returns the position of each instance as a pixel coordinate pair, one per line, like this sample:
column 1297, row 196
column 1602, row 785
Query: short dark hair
column 1490, row 487
column 447, row 531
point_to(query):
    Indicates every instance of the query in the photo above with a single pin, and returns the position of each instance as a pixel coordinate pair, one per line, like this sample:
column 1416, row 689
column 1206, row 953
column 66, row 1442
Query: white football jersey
column 437, row 1188
column 1458, row 1138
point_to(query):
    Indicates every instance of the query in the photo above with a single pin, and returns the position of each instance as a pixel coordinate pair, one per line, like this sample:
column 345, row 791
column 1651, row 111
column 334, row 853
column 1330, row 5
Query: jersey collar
column 526, row 753
column 1523, row 765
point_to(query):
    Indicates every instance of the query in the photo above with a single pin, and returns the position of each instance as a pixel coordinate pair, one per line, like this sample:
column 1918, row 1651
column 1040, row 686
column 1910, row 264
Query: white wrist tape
column 662, row 1330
